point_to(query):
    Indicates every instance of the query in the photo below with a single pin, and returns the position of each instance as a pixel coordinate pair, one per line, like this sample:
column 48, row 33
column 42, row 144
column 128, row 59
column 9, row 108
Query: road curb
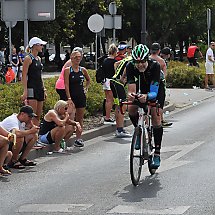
column 88, row 135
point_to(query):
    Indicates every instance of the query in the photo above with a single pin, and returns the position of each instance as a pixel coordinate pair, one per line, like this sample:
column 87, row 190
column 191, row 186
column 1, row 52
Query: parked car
column 90, row 56
column 52, row 57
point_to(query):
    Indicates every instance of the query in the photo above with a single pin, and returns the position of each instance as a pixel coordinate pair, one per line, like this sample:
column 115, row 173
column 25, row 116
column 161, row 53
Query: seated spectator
column 3, row 154
column 57, row 126
column 26, row 136
column 7, row 160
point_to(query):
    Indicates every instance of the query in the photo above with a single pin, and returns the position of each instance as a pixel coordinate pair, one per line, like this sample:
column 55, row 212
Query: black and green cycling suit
column 149, row 80
column 116, row 86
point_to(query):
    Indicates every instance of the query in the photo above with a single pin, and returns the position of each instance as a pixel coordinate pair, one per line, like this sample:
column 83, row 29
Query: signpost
column 143, row 22
column 113, row 21
column 209, row 24
column 24, row 10
column 96, row 24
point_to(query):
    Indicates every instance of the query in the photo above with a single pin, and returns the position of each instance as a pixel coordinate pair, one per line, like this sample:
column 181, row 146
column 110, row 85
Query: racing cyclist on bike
column 146, row 73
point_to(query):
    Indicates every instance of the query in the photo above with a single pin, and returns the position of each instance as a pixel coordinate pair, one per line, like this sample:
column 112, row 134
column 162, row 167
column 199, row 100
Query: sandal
column 4, row 172
column 26, row 162
column 16, row 165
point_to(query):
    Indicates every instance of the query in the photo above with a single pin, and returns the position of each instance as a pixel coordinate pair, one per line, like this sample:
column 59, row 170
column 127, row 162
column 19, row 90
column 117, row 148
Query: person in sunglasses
column 34, row 91
column 144, row 74
column 57, row 126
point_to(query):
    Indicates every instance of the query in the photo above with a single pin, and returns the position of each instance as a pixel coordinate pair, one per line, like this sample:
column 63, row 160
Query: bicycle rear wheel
column 136, row 158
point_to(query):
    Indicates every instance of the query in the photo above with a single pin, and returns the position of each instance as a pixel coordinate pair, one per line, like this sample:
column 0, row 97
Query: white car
column 52, row 56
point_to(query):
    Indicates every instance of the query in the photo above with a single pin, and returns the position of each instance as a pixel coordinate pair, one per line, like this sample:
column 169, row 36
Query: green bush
column 179, row 75
column 10, row 95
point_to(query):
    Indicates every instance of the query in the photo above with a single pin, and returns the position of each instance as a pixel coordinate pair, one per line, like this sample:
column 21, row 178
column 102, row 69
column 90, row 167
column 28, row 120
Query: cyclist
column 146, row 73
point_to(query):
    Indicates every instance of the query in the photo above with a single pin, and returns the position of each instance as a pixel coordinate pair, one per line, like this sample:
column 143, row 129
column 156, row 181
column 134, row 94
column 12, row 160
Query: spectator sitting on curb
column 5, row 156
column 57, row 126
column 26, row 136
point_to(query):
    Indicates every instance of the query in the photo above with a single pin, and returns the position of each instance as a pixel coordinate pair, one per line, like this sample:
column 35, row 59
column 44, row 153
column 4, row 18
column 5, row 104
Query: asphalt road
column 96, row 180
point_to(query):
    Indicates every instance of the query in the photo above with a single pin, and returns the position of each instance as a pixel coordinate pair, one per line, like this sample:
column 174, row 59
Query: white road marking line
column 53, row 208
column 125, row 209
column 173, row 162
column 185, row 150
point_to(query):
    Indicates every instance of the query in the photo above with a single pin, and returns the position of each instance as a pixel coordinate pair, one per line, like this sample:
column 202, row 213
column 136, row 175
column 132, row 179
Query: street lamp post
column 143, row 22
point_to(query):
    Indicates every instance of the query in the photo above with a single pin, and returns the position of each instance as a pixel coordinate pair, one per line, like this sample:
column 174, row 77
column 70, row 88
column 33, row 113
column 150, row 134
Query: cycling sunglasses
column 139, row 61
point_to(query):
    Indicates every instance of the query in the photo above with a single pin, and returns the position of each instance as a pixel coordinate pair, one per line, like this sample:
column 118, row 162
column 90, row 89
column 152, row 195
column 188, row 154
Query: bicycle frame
column 143, row 131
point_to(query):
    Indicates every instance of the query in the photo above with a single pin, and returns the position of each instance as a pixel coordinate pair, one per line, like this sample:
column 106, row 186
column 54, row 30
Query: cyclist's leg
column 158, row 134
column 133, row 114
column 119, row 94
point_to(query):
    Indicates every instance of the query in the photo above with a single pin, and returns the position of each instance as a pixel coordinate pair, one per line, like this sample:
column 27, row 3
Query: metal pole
column 10, row 41
column 143, row 22
column 26, row 23
column 114, row 30
column 208, row 37
column 96, row 52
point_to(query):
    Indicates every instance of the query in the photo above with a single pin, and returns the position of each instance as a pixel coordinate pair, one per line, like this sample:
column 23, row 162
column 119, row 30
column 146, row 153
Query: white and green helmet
column 140, row 52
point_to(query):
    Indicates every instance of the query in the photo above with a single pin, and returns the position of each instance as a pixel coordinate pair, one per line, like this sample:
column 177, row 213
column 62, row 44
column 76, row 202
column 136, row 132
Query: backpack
column 100, row 76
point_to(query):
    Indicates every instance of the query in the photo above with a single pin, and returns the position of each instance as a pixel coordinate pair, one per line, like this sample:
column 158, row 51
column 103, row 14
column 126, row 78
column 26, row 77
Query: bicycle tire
column 136, row 158
column 151, row 149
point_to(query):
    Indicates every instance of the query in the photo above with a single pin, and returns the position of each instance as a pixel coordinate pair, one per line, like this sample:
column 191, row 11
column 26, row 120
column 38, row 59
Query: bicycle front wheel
column 136, row 158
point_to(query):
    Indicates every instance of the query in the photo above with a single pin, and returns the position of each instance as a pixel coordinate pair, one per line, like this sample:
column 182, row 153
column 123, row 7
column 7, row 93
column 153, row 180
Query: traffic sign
column 96, row 23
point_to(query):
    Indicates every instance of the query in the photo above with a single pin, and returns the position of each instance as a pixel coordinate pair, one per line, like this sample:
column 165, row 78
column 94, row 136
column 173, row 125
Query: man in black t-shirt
column 143, row 78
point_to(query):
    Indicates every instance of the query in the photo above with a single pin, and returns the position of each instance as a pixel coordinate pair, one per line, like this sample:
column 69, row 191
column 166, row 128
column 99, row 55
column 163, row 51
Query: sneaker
column 123, row 134
column 137, row 145
column 79, row 143
column 109, row 121
column 155, row 162
column 40, row 144
column 165, row 123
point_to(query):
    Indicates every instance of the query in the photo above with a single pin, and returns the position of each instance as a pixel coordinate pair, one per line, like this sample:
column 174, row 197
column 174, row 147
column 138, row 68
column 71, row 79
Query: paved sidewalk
column 177, row 99
column 181, row 98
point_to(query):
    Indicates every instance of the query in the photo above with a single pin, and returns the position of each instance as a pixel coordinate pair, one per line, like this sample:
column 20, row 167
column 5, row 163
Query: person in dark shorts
column 57, row 126
column 155, row 51
column 34, row 90
column 26, row 135
column 143, row 75
column 76, row 90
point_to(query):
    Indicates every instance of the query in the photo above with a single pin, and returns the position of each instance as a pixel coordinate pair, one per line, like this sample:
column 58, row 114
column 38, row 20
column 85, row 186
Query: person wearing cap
column 57, row 126
column 34, row 90
column 121, row 51
column 155, row 51
column 26, row 135
column 117, row 86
